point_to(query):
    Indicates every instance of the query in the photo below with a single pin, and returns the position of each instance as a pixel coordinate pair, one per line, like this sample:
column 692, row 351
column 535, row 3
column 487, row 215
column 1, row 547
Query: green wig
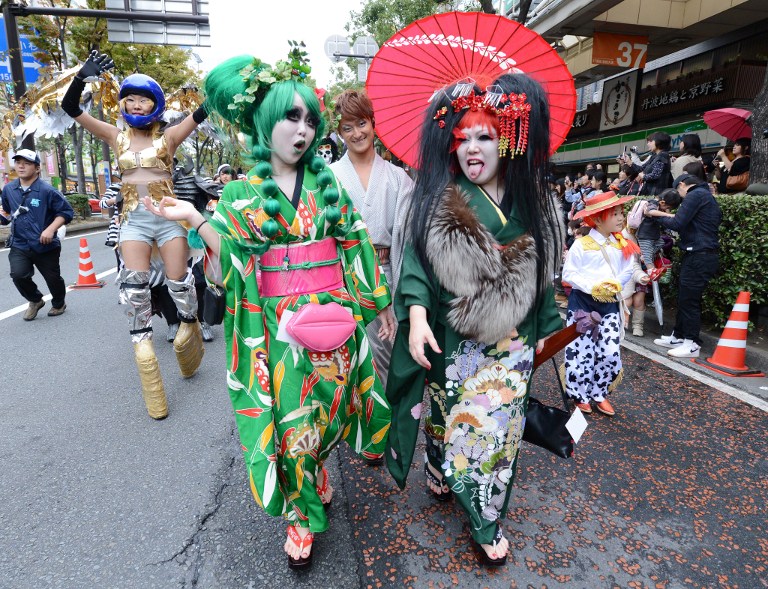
column 275, row 106
column 256, row 107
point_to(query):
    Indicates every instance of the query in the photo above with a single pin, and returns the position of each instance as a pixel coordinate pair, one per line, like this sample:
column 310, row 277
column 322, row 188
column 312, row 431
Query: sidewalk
column 74, row 227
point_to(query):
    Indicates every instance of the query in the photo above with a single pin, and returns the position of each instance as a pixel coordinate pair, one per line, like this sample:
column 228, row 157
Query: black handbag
column 215, row 305
column 214, row 300
column 545, row 425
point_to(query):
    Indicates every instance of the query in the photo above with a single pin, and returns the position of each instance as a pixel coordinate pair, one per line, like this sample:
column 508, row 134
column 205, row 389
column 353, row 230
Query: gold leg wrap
column 151, row 381
column 188, row 345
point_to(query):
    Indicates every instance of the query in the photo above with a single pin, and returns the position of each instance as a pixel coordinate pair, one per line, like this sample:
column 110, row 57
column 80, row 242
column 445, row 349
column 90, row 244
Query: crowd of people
column 673, row 198
column 348, row 285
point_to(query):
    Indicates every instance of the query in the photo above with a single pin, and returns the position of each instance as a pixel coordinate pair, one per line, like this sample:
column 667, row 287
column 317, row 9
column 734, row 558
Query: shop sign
column 676, row 96
column 628, row 51
column 580, row 120
column 618, row 106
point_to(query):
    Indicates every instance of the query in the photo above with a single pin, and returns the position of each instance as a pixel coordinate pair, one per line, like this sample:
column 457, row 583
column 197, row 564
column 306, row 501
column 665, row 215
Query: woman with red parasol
column 475, row 299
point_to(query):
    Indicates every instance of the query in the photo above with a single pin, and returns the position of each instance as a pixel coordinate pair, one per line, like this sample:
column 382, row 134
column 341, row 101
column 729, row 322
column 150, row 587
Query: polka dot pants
column 591, row 367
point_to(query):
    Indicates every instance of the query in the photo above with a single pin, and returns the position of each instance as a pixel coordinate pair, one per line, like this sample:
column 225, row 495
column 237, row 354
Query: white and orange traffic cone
column 731, row 349
column 87, row 275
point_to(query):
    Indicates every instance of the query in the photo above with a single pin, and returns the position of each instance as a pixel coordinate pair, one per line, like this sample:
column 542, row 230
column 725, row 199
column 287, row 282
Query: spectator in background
column 695, row 168
column 734, row 175
column 690, row 151
column 628, row 182
column 572, row 190
column 597, row 184
column 656, row 172
column 36, row 211
column 697, row 221
column 224, row 175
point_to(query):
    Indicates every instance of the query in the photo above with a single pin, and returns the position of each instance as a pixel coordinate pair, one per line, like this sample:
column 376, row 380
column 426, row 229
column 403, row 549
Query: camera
column 20, row 211
column 633, row 149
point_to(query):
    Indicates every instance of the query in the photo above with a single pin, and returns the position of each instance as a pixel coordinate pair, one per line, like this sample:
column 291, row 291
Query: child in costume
column 144, row 154
column 597, row 267
column 296, row 394
column 475, row 298
column 633, row 292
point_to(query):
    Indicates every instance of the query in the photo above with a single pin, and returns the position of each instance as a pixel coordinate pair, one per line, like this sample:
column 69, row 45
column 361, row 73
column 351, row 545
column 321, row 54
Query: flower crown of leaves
column 513, row 111
column 259, row 76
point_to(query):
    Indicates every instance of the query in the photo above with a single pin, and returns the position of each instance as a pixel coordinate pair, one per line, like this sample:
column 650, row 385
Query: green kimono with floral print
column 478, row 393
column 292, row 406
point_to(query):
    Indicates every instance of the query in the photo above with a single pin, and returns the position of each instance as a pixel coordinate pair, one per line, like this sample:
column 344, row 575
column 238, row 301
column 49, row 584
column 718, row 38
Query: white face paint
column 292, row 136
column 478, row 156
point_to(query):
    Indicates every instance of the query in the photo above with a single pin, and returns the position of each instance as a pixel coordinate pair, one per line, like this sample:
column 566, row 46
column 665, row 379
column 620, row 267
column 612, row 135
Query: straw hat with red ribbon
column 601, row 202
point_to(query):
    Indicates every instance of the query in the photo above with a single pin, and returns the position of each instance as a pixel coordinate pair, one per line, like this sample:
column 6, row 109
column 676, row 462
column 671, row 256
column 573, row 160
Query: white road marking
column 702, row 378
column 75, row 236
column 22, row 308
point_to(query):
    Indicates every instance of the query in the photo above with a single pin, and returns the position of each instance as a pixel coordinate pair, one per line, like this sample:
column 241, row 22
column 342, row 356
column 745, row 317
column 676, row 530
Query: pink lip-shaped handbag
column 321, row 328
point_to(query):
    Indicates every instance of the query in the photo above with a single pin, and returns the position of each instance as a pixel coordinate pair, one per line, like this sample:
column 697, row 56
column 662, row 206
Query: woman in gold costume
column 144, row 153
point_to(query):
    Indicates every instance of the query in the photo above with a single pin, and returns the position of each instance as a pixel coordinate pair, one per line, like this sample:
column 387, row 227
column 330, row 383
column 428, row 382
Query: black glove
column 95, row 65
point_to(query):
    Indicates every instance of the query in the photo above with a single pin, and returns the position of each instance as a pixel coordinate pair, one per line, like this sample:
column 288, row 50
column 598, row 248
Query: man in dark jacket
column 35, row 210
column 697, row 221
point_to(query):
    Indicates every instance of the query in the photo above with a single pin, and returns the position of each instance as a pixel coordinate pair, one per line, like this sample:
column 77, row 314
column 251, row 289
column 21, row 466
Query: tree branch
column 487, row 6
column 525, row 7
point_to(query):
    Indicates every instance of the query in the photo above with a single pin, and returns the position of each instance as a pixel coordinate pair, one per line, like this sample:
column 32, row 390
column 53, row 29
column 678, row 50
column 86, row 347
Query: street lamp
column 363, row 50
column 198, row 61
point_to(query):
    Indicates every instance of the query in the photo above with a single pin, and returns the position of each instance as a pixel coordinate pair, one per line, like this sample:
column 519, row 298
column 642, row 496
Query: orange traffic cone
column 731, row 349
column 87, row 275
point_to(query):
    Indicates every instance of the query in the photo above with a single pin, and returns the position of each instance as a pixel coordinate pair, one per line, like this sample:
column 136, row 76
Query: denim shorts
column 141, row 225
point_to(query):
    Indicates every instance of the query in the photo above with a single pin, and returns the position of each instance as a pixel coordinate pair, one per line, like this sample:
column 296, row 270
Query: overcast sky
column 262, row 28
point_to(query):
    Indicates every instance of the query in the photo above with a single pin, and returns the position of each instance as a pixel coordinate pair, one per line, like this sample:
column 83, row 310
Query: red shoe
column 302, row 543
column 605, row 407
column 325, row 494
column 584, row 407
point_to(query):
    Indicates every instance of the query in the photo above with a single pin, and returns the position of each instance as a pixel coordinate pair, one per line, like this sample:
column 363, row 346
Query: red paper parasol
column 731, row 123
column 442, row 49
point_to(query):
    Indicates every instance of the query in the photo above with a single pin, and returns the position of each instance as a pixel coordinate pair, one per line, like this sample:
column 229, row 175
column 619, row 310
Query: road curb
column 73, row 228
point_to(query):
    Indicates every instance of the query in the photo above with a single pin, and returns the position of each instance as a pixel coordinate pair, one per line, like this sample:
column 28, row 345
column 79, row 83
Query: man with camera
column 35, row 211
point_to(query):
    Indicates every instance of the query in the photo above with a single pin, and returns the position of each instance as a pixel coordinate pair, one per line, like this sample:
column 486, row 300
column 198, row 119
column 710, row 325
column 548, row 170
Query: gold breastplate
column 154, row 156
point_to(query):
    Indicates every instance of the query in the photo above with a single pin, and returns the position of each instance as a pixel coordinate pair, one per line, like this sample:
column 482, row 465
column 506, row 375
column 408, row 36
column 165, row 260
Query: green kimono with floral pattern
column 292, row 406
column 478, row 393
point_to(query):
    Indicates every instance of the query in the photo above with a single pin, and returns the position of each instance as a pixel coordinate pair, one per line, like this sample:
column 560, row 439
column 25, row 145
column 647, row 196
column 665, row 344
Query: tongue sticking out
column 474, row 169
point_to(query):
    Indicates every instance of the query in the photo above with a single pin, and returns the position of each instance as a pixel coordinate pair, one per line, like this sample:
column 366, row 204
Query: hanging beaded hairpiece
column 514, row 117
column 513, row 112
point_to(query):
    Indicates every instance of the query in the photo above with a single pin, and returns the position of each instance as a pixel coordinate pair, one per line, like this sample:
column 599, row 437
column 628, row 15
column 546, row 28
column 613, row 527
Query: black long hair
column 436, row 168
column 692, row 144
column 524, row 177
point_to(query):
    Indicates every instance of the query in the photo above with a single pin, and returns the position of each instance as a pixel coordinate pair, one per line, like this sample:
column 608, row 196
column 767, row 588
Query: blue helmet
column 144, row 86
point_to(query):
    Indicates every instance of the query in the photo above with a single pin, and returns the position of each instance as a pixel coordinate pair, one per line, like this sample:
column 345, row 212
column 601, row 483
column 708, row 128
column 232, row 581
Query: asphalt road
column 94, row 494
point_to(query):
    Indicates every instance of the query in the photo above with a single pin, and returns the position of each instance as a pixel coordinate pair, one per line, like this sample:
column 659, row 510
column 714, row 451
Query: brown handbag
column 738, row 183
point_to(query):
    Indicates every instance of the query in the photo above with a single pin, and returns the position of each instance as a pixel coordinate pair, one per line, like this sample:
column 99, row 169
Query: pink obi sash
column 300, row 269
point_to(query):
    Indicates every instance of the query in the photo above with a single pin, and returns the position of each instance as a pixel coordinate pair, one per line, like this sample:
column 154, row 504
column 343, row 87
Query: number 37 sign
column 620, row 50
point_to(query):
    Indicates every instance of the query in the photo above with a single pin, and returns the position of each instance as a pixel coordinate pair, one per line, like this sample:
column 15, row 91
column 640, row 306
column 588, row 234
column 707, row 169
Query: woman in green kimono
column 475, row 297
column 285, row 237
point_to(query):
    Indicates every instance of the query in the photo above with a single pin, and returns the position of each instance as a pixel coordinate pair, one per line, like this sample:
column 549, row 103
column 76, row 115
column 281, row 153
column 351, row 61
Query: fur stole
column 495, row 286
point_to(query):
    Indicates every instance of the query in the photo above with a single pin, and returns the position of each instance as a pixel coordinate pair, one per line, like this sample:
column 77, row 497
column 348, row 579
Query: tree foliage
column 63, row 41
column 383, row 18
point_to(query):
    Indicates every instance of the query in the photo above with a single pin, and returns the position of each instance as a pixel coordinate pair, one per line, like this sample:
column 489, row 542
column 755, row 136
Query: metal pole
column 110, row 14
column 17, row 66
